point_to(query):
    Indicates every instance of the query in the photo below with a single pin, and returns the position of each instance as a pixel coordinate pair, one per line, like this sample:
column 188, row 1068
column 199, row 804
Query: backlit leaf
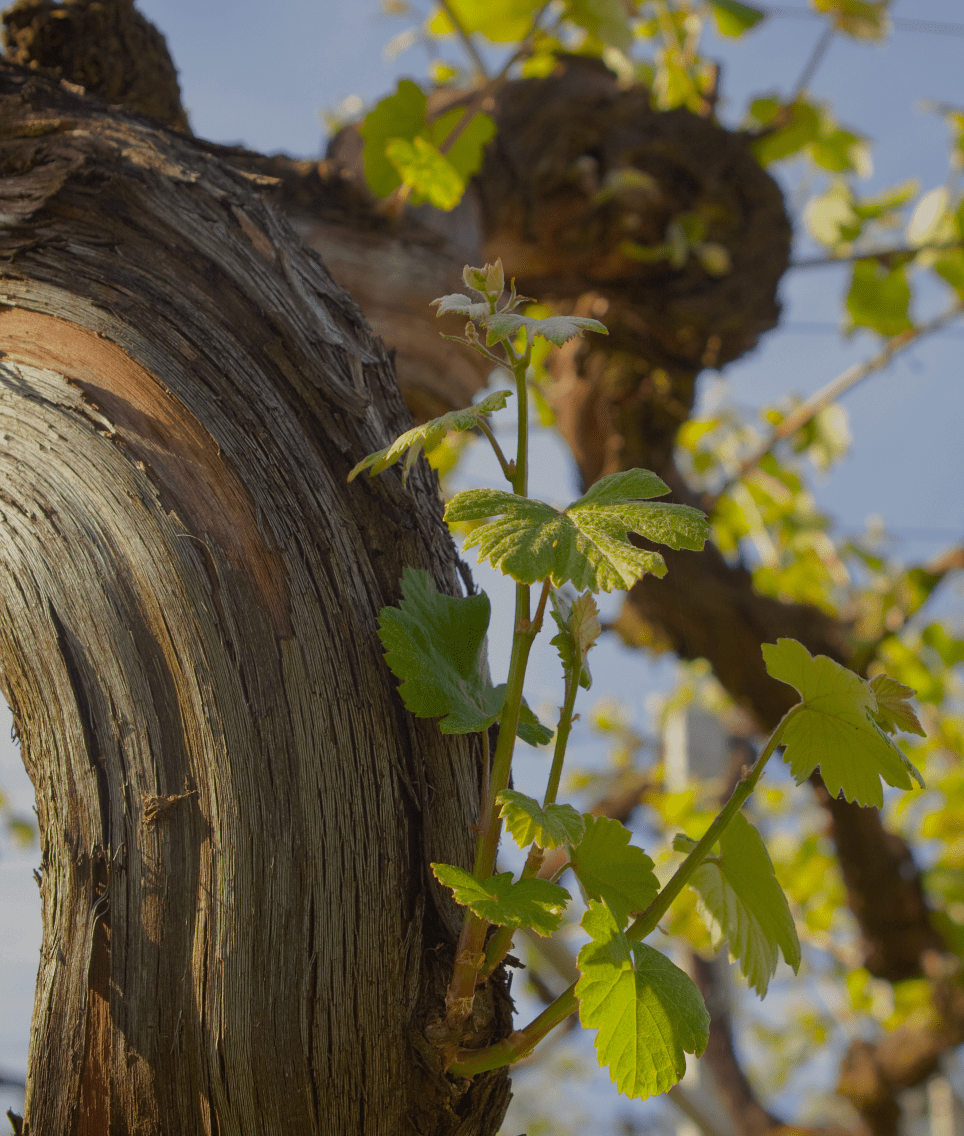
column 585, row 545
column 426, row 171
column 401, row 115
column 649, row 1014
column 429, row 434
column 536, row 904
column 612, row 870
column 579, row 628
column 502, row 21
column 879, row 298
column 549, row 827
column 604, row 19
column 894, row 711
column 733, row 18
column 836, row 730
column 745, row 905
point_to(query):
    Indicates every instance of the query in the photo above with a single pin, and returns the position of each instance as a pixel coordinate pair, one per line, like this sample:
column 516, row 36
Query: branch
column 466, row 38
column 821, row 48
column 874, row 254
column 823, row 398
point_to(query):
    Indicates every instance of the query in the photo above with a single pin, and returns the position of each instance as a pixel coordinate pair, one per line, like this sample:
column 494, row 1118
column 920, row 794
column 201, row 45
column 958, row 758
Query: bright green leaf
column 536, row 904
column 549, row 827
column 502, row 21
column 612, row 870
column 733, row 18
column 401, row 115
column 879, row 298
column 429, row 434
column 835, row 730
column 465, row 154
column 579, row 628
column 648, row 1012
column 586, row 544
column 427, row 171
column 557, row 329
column 604, row 19
column 894, row 711
column 744, row 904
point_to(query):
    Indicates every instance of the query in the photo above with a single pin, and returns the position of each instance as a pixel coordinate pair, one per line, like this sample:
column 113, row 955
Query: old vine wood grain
column 236, row 813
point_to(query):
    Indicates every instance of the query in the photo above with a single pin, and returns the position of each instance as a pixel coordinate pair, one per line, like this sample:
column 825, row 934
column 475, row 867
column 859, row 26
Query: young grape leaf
column 426, row 171
column 528, row 822
column 501, row 21
column 894, row 711
column 733, row 18
column 579, row 628
column 648, row 1012
column 537, row 904
column 436, row 645
column 612, row 870
column 429, row 434
column 836, row 729
column 465, row 153
column 461, row 305
column 557, row 329
column 744, row 904
column 604, row 19
column 401, row 115
column 585, row 545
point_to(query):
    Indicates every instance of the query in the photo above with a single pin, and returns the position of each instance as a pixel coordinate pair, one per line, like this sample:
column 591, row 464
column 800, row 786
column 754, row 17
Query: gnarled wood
column 240, row 932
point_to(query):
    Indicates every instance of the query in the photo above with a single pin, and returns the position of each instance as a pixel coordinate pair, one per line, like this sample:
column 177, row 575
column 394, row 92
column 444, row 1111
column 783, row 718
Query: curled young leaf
column 528, row 822
column 427, row 436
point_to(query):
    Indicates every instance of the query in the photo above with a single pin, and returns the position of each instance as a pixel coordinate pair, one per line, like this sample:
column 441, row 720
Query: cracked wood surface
column 236, row 813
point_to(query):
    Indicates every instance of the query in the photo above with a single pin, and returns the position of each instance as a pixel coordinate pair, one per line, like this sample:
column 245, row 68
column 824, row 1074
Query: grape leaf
column 894, row 711
column 401, row 115
column 557, row 329
column 612, row 870
column 462, row 305
column 465, row 153
column 879, row 298
column 648, row 1012
column 526, row 903
column 604, row 19
column 429, row 434
column 733, row 18
column 528, row 822
column 435, row 644
column 426, row 171
column 744, row 904
column 579, row 629
column 587, row 543
column 530, row 729
column 502, row 21
column 836, row 729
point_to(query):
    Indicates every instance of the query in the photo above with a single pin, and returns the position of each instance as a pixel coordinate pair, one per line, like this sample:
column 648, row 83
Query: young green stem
column 508, row 468
column 501, row 942
column 647, row 922
column 563, row 731
column 469, row 1062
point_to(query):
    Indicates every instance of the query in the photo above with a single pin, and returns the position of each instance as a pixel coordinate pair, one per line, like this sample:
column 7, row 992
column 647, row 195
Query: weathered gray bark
column 240, row 933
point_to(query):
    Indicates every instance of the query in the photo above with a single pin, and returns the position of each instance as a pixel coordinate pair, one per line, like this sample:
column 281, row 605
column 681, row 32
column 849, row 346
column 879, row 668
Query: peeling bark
column 240, row 934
